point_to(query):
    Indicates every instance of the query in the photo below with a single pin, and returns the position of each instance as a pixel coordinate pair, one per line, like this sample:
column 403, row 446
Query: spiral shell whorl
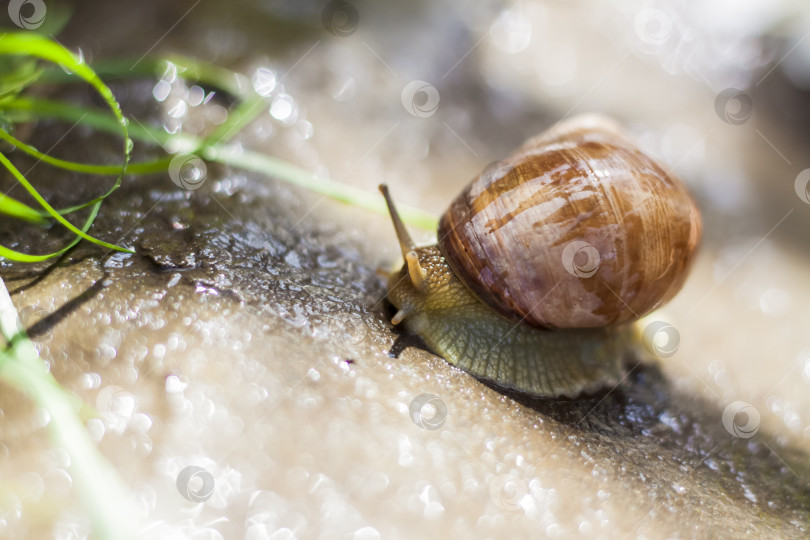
column 506, row 234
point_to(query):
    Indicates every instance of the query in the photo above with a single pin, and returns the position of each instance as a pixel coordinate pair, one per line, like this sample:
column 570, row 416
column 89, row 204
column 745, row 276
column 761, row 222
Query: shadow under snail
column 545, row 261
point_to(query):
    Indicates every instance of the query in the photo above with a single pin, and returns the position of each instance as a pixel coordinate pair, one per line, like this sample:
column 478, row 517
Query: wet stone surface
column 257, row 348
column 247, row 334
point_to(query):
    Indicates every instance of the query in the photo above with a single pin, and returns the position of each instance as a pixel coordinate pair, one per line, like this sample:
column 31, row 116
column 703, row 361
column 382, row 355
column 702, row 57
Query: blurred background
column 423, row 95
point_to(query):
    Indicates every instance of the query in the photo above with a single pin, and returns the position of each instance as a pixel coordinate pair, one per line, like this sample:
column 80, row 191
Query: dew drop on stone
column 42, row 417
column 96, row 429
column 33, row 486
column 749, row 494
column 306, row 129
column 367, row 533
column 59, row 483
column 90, row 381
column 511, row 32
column 174, row 385
column 343, row 89
column 774, row 302
column 141, row 422
column 175, row 279
column 806, row 370
column 433, row 511
column 293, row 259
column 69, row 526
column 116, row 407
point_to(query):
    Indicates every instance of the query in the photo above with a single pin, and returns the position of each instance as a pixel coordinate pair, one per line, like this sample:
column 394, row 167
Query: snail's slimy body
column 473, row 337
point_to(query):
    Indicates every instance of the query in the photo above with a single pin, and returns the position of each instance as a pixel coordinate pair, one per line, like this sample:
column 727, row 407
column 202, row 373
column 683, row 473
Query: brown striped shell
column 577, row 229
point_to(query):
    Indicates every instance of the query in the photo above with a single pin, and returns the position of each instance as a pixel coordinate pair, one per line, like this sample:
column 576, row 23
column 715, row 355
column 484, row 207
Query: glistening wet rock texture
column 263, row 356
column 247, row 336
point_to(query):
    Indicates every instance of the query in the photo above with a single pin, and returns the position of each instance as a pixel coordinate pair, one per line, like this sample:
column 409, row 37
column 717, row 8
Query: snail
column 545, row 262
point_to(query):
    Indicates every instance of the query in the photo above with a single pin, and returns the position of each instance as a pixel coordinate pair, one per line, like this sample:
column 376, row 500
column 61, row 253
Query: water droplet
column 806, row 370
column 91, row 381
column 116, row 407
column 343, row 89
column 96, row 429
column 292, row 258
column 59, row 482
column 511, row 32
column 196, row 95
column 174, row 385
column 161, row 90
column 774, row 302
column 283, row 109
column 177, row 109
column 367, row 533
column 175, row 279
column 264, row 81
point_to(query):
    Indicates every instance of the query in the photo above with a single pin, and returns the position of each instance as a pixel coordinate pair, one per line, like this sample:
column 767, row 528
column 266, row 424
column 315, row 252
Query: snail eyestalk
column 405, row 242
column 418, row 274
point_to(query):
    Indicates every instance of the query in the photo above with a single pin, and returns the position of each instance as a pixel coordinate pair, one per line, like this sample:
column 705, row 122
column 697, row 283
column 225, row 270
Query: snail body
column 544, row 262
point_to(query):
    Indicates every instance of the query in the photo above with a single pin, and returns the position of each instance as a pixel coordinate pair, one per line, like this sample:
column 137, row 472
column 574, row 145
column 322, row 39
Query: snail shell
column 506, row 296
column 509, row 236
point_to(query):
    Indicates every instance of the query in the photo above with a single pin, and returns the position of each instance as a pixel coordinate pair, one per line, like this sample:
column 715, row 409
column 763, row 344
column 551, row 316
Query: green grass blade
column 250, row 106
column 191, row 69
column 254, row 161
column 25, row 109
column 98, row 484
column 51, row 211
column 300, row 177
column 25, row 257
column 18, row 73
column 106, row 170
column 31, row 44
column 17, row 209
column 20, row 210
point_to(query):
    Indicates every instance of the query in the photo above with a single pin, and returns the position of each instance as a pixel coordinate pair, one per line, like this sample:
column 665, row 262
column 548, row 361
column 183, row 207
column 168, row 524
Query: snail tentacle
column 399, row 316
column 406, row 243
column 416, row 272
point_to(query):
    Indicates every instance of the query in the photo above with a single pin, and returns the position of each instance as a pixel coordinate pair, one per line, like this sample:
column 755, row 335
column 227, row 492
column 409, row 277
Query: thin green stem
column 28, row 258
column 28, row 108
column 106, row 170
column 95, row 479
column 188, row 68
column 17, row 209
column 50, row 209
column 28, row 44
